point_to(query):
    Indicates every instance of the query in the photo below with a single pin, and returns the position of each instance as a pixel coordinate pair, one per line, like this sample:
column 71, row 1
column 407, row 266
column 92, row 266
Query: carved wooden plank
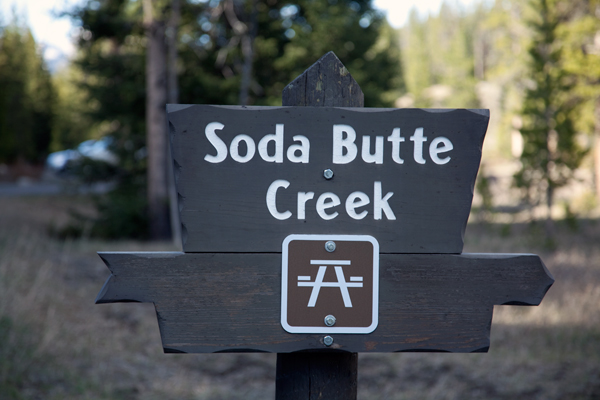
column 224, row 203
column 210, row 302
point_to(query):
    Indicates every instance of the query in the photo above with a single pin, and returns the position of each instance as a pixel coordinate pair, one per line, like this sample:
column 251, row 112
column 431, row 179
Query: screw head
column 330, row 246
column 329, row 320
column 328, row 340
column 328, row 174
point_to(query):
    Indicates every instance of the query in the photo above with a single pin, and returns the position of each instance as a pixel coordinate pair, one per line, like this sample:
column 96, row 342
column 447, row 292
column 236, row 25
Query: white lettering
column 272, row 199
column 340, row 143
column 381, row 204
column 352, row 204
column 418, row 139
column 396, row 139
column 435, row 149
column 322, row 205
column 303, row 148
column 235, row 150
column 264, row 144
column 329, row 200
column 376, row 158
column 217, row 143
column 303, row 197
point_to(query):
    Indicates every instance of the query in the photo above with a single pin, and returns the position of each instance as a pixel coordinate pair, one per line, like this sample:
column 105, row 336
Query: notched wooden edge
column 111, row 292
column 546, row 285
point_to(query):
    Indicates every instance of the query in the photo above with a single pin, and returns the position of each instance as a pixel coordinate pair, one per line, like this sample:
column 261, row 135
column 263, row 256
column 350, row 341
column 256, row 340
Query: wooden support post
column 302, row 376
column 322, row 375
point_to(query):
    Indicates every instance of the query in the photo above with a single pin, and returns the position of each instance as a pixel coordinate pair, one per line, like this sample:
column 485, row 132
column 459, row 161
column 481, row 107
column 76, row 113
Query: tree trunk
column 156, row 124
column 173, row 98
column 248, row 52
column 597, row 149
column 549, row 220
column 173, row 24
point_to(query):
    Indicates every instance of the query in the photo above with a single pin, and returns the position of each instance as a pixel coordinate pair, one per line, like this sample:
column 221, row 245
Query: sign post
column 321, row 229
column 330, row 375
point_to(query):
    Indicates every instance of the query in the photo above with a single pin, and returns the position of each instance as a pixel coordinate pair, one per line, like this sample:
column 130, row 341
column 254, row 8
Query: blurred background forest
column 534, row 64
column 99, row 120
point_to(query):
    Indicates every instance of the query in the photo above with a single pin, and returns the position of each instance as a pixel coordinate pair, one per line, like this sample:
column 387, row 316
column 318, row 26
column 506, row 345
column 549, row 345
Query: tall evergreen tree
column 439, row 60
column 550, row 153
column 581, row 36
column 26, row 96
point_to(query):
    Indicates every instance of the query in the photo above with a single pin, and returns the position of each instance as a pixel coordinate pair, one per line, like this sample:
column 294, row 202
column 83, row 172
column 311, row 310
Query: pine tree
column 581, row 36
column 26, row 97
column 439, row 61
column 550, row 153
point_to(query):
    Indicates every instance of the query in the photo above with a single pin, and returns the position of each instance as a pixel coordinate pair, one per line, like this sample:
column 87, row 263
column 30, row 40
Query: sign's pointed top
column 326, row 83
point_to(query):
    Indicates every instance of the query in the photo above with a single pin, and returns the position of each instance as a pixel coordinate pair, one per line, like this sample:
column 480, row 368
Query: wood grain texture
column 223, row 205
column 316, row 375
column 326, row 83
column 231, row 302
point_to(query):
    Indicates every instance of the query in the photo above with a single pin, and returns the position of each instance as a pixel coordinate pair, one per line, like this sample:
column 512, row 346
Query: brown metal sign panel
column 330, row 284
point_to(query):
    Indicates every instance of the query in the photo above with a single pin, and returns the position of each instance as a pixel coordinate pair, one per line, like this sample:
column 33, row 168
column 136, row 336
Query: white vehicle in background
column 63, row 162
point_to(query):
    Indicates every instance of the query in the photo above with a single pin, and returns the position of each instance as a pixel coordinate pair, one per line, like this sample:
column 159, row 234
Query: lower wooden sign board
column 228, row 302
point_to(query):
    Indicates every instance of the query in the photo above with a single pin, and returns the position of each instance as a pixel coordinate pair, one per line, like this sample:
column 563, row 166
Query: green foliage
column 581, row 49
column 439, row 57
column 289, row 37
column 123, row 214
column 26, row 96
column 482, row 186
column 71, row 124
column 551, row 152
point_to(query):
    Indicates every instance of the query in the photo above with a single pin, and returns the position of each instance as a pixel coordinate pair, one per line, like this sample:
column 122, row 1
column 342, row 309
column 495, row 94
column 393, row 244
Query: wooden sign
column 324, row 228
column 250, row 176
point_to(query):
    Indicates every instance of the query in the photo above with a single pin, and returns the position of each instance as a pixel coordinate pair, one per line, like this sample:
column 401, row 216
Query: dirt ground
column 56, row 344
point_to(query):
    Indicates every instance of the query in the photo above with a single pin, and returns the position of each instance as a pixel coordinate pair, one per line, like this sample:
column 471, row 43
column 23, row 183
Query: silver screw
column 329, row 320
column 328, row 174
column 330, row 246
column 328, row 340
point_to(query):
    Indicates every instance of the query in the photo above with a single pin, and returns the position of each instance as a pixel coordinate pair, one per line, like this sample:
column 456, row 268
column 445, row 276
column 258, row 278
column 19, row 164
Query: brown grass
column 58, row 345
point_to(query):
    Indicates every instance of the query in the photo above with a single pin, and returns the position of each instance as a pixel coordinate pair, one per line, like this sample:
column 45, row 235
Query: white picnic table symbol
column 317, row 284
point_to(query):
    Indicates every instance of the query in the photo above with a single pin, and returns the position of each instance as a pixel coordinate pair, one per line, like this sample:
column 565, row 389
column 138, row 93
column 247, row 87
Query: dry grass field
column 56, row 344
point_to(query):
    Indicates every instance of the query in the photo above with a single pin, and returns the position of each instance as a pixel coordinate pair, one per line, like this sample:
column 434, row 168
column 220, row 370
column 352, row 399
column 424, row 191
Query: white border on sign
column 327, row 329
